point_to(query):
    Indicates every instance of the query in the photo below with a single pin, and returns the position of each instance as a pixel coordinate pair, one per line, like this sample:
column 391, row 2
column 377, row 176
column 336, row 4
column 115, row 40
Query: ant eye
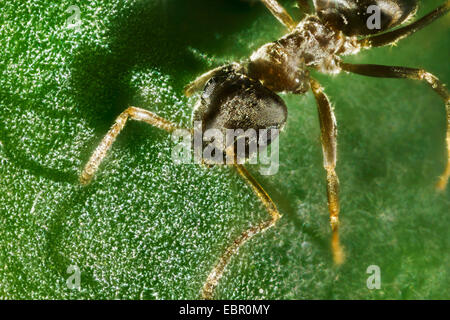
column 352, row 17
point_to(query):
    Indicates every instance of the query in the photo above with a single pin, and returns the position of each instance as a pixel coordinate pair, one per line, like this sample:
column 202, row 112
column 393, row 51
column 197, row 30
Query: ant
column 243, row 95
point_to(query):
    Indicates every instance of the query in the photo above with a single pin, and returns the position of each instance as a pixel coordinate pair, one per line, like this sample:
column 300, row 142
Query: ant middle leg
column 328, row 129
column 218, row 270
column 398, row 34
column 280, row 13
column 100, row 152
column 373, row 70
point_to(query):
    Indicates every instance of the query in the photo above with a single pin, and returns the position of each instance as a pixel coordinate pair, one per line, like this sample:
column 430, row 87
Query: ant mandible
column 243, row 95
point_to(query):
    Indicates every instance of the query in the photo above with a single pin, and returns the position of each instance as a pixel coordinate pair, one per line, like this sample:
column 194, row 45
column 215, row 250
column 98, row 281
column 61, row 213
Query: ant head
column 353, row 18
column 233, row 103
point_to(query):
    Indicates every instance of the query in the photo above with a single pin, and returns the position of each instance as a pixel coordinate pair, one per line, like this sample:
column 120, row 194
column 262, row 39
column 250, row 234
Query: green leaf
column 149, row 229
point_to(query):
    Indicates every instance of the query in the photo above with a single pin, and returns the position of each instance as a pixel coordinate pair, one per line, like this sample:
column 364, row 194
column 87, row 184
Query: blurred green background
column 149, row 229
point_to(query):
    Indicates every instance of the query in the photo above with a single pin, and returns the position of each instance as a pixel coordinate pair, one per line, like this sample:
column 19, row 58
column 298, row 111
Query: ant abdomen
column 351, row 17
column 240, row 109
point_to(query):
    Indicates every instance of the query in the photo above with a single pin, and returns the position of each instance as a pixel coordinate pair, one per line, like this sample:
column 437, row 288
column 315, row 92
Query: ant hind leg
column 373, row 70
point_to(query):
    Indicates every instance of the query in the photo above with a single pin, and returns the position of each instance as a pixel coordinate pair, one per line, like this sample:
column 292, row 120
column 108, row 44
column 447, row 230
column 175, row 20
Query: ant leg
column 200, row 82
column 328, row 129
column 280, row 13
column 100, row 152
column 215, row 275
column 373, row 70
column 398, row 34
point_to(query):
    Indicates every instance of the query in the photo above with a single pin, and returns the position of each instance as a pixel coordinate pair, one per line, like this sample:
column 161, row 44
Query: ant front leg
column 373, row 70
column 100, row 152
column 280, row 13
column 199, row 83
column 217, row 273
column 328, row 130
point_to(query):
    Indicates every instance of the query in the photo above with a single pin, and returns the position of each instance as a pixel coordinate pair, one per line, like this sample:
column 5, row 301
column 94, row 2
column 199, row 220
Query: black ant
column 243, row 95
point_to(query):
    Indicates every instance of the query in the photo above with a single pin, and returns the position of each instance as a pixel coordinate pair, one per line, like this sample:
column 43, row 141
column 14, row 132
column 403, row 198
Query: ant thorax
column 282, row 65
